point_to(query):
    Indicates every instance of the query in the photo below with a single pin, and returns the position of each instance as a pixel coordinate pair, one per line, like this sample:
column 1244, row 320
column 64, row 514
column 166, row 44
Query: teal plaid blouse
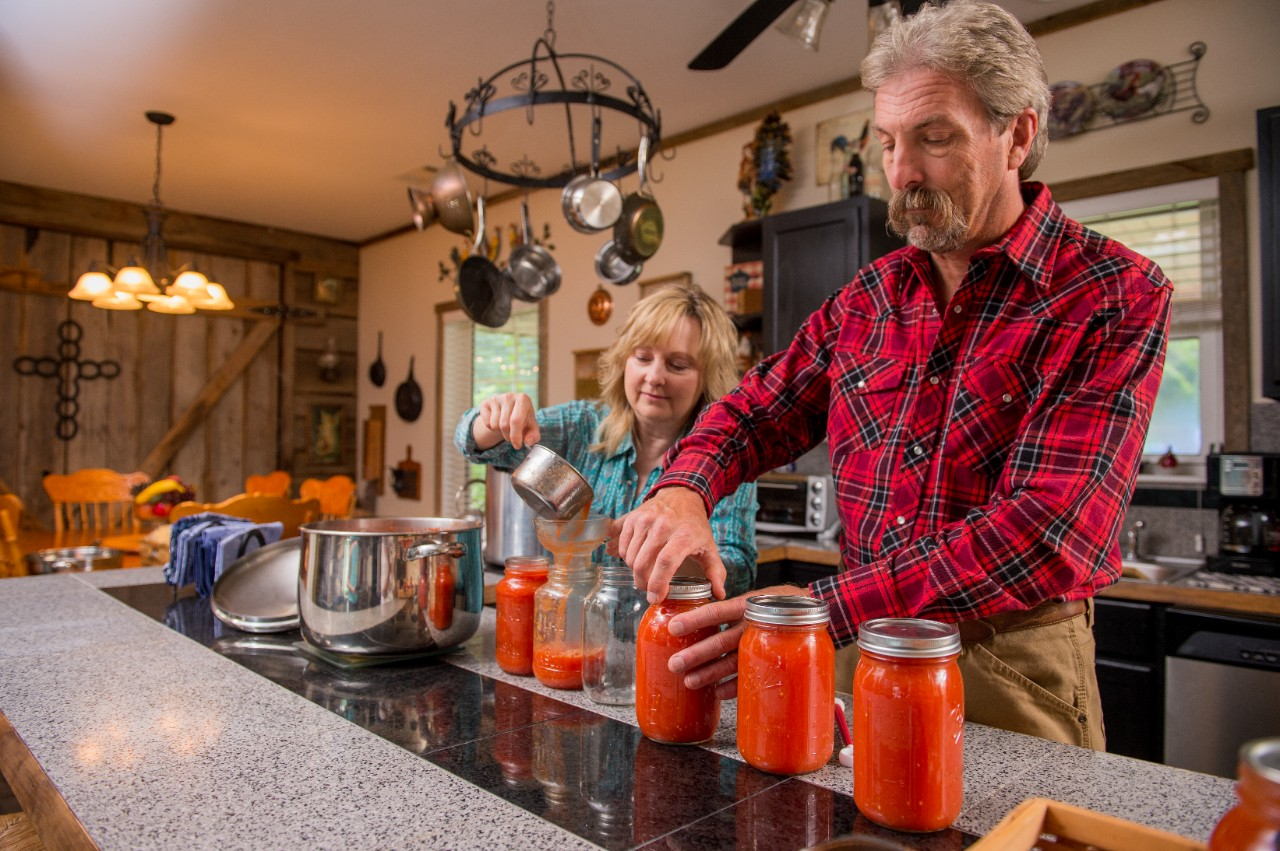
column 569, row 429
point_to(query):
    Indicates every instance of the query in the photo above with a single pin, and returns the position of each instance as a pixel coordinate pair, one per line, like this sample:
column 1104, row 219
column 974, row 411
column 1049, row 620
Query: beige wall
column 399, row 287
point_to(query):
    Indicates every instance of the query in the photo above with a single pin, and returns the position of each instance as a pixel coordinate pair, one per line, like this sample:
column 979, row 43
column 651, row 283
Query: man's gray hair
column 979, row 45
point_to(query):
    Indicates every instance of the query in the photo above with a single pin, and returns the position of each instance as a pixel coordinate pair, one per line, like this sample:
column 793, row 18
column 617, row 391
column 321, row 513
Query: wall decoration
column 70, row 370
column 326, row 434
column 600, row 306
column 766, row 165
column 328, row 290
column 586, row 374
column 837, row 141
column 1132, row 91
column 652, row 285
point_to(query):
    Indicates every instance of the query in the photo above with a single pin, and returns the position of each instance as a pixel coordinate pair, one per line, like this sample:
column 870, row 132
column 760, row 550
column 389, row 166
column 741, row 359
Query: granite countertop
column 167, row 729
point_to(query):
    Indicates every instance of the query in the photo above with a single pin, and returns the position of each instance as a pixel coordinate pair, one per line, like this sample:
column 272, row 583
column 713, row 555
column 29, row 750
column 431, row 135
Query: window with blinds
column 476, row 363
column 1183, row 238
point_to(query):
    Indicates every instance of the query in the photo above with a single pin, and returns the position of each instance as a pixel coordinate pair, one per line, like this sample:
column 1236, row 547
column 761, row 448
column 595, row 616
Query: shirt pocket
column 991, row 402
column 868, row 389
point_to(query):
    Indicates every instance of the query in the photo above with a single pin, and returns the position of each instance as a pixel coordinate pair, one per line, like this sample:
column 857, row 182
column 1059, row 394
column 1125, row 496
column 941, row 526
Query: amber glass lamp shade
column 135, row 280
column 172, row 304
column 91, row 285
column 118, row 301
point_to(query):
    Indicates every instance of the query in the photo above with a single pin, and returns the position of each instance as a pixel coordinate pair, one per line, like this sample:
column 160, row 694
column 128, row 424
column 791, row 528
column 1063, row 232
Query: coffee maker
column 1247, row 489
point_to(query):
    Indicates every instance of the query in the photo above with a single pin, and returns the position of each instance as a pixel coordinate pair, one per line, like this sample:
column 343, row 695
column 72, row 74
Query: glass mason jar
column 786, row 685
column 1253, row 824
column 908, row 724
column 610, row 618
column 558, row 604
column 666, row 710
column 521, row 577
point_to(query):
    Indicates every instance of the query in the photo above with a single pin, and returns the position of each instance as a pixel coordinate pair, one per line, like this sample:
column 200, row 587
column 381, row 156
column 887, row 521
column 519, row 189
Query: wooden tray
column 1073, row 828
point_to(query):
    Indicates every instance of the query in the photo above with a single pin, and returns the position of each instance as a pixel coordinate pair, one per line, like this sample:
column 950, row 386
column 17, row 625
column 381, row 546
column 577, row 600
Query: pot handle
column 456, row 549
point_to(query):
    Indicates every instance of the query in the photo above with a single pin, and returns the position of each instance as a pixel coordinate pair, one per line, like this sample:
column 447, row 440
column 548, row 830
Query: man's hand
column 715, row 659
column 657, row 537
column 506, row 416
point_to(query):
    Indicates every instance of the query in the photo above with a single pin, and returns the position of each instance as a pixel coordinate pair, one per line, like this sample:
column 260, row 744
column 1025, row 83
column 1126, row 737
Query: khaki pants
column 1039, row 681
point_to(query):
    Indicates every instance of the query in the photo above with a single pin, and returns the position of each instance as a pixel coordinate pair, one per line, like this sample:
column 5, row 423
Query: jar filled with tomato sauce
column 521, row 577
column 786, row 685
column 908, row 724
column 1253, row 824
column 666, row 709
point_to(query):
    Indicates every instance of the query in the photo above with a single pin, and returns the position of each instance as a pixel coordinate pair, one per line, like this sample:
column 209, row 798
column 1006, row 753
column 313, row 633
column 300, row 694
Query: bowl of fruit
column 155, row 500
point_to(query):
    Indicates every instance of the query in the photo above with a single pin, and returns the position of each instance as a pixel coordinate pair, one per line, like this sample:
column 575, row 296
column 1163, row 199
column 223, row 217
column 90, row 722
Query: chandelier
column 585, row 88
column 148, row 280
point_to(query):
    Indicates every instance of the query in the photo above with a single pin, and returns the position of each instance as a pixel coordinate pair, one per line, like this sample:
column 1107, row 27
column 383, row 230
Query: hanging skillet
column 484, row 290
column 377, row 369
column 534, row 272
column 409, row 397
column 638, row 231
column 591, row 203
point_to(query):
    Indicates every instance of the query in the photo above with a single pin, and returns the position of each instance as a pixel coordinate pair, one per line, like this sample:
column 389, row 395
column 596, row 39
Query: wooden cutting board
column 408, row 478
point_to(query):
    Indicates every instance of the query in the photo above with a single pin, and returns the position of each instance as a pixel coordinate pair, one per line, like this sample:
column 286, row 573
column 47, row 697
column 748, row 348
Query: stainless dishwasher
column 1222, row 687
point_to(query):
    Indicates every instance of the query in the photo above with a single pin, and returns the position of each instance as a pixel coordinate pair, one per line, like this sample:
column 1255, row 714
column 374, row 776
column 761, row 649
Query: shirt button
column 862, row 385
column 1006, row 398
column 901, row 521
column 933, row 380
column 957, row 309
column 917, row 450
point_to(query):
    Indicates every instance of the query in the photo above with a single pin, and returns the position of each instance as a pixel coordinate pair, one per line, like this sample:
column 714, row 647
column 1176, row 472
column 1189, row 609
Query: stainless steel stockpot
column 390, row 585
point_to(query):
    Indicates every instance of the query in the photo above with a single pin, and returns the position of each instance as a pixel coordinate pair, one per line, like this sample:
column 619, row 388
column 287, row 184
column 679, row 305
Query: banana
column 157, row 488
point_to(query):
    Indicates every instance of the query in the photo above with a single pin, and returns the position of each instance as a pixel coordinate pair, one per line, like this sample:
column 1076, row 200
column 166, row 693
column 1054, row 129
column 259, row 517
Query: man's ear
column 1022, row 131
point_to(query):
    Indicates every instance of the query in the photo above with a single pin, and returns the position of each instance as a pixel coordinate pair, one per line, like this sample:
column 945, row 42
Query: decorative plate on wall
column 1134, row 88
column 1072, row 105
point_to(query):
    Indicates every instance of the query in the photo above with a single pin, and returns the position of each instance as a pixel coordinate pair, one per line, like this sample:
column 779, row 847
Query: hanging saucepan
column 484, row 290
column 612, row 268
column 638, row 231
column 534, row 272
column 409, row 397
column 377, row 369
column 591, row 203
column 451, row 198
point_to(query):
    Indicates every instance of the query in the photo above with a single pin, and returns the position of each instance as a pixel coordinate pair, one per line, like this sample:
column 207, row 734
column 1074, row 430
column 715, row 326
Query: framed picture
column 325, row 445
column 652, row 285
column 836, row 140
column 586, row 374
column 328, row 290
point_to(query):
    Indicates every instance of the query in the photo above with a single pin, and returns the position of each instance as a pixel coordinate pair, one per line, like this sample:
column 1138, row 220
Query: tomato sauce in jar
column 558, row 666
column 443, row 586
column 521, row 578
column 1253, row 824
column 786, row 685
column 908, row 724
column 667, row 710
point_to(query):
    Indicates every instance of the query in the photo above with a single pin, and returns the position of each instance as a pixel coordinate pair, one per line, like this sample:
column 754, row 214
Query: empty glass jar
column 610, row 618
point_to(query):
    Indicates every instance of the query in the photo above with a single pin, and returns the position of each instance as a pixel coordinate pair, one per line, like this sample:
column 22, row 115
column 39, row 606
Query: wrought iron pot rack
column 581, row 81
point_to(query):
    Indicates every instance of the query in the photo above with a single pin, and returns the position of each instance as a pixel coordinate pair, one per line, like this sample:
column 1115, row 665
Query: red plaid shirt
column 983, row 456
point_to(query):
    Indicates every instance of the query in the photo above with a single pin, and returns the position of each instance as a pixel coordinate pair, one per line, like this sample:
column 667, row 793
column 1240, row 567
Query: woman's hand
column 715, row 659
column 506, row 416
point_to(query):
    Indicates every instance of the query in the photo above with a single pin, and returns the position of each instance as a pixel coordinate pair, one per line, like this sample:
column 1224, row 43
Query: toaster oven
column 793, row 503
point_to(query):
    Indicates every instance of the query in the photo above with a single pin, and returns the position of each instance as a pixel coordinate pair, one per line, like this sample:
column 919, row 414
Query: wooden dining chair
column 275, row 483
column 95, row 500
column 337, row 495
column 260, row 508
column 10, row 523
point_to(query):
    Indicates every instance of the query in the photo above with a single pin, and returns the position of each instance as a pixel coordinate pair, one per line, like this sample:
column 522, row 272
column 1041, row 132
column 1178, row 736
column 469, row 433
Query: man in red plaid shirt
column 985, row 393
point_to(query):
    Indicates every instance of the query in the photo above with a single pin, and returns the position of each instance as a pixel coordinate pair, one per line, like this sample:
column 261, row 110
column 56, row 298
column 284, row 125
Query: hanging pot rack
column 578, row 81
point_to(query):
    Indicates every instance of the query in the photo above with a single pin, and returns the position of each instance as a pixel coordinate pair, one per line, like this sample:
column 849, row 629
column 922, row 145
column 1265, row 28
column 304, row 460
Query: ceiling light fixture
column 141, row 280
column 805, row 26
column 583, row 85
column 880, row 16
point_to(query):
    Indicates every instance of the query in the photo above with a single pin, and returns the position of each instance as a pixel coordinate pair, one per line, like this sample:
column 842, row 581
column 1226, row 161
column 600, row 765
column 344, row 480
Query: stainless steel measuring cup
column 550, row 485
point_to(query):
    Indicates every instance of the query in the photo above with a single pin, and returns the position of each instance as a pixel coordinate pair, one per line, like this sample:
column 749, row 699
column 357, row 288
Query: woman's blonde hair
column 652, row 321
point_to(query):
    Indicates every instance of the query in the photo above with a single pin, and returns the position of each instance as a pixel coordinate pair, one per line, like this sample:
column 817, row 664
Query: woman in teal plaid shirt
column 674, row 355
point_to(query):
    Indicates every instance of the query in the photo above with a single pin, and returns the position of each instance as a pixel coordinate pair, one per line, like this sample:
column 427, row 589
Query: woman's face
column 663, row 380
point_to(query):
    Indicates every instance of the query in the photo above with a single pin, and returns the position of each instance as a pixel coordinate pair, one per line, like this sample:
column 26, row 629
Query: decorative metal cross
column 70, row 370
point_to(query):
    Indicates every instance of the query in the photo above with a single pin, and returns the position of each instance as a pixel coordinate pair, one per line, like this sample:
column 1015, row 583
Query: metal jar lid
column 1263, row 755
column 787, row 610
column 688, row 588
column 909, row 638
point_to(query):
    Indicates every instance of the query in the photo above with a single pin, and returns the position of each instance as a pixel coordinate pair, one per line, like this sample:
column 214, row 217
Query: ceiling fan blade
column 734, row 38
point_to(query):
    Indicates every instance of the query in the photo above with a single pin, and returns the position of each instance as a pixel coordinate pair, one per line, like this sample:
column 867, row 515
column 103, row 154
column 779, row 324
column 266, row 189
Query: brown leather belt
column 980, row 629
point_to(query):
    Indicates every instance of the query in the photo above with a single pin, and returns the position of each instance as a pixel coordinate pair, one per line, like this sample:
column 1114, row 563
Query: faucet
column 1134, row 538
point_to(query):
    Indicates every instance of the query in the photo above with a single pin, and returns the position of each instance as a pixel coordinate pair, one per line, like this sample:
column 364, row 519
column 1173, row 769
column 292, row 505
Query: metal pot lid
column 259, row 592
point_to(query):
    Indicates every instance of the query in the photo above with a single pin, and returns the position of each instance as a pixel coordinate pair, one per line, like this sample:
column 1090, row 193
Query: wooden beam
column 1161, row 174
column 52, row 818
column 214, row 388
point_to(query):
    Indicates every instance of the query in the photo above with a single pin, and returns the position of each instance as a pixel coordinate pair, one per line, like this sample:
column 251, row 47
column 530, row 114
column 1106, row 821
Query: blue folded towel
column 203, row 545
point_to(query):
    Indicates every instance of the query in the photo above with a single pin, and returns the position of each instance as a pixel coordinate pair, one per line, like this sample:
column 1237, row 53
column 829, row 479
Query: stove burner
column 1242, row 583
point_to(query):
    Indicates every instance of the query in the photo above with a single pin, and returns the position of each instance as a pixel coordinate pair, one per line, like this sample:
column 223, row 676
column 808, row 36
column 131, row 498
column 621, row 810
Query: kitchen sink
column 1163, row 569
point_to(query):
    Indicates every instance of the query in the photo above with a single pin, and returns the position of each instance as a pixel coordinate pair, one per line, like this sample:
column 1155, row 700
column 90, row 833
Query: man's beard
column 948, row 235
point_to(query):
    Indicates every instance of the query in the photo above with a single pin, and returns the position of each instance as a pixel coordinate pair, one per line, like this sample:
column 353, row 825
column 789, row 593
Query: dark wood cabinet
column 1269, row 221
column 808, row 254
column 1130, row 668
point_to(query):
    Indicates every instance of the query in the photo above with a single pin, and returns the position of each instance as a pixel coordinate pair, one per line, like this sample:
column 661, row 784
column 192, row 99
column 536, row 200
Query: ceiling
column 313, row 115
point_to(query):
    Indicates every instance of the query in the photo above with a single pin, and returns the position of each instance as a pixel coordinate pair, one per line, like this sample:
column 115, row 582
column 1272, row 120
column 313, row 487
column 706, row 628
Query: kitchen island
column 130, row 718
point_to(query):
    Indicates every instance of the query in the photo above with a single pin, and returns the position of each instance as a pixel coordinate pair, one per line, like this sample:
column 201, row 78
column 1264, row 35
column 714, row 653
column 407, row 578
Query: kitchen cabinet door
column 812, row 252
column 1269, row 221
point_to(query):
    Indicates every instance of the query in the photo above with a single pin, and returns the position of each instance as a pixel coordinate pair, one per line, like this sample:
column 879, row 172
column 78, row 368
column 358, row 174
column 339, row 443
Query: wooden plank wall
column 165, row 361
